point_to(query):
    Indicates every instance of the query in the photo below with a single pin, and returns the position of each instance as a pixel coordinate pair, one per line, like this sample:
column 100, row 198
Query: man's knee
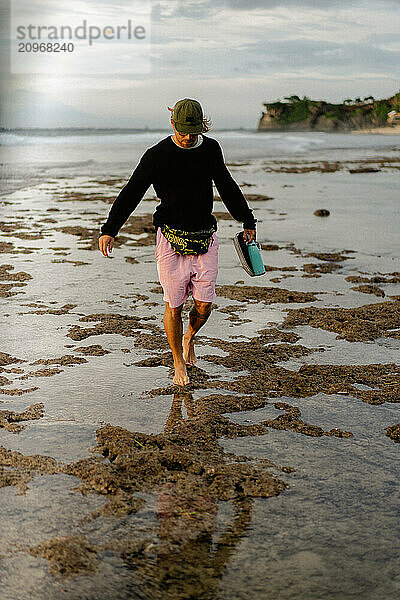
column 201, row 310
column 174, row 313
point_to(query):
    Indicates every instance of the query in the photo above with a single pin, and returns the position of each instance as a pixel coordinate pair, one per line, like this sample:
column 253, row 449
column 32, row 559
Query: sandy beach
column 388, row 130
column 274, row 474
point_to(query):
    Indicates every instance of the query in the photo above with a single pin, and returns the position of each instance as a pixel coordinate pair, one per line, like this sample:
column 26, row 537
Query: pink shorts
column 182, row 275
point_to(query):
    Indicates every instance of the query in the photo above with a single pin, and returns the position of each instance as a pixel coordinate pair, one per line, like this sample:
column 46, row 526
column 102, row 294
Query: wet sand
column 273, row 475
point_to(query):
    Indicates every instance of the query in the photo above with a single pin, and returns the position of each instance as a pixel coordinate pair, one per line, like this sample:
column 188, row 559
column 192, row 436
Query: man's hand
column 249, row 235
column 106, row 243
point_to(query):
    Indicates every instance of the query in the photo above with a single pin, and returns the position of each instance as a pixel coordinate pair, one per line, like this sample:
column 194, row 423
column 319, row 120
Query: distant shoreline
column 388, row 130
column 108, row 129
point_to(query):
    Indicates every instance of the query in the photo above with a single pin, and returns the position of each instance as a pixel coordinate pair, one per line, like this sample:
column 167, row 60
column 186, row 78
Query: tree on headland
column 313, row 114
column 292, row 98
column 396, row 102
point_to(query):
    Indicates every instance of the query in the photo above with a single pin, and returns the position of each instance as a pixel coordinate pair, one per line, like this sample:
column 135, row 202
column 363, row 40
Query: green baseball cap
column 187, row 116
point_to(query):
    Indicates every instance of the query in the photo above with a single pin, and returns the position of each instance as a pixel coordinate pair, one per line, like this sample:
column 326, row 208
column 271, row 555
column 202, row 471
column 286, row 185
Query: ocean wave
column 26, row 137
column 119, row 145
column 67, row 165
column 12, row 139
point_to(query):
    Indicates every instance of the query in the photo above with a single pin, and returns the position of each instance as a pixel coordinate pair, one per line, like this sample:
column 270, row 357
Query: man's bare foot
column 188, row 351
column 181, row 376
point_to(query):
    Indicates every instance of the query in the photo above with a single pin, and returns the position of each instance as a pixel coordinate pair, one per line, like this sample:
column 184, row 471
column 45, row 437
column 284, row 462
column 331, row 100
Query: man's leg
column 197, row 317
column 173, row 328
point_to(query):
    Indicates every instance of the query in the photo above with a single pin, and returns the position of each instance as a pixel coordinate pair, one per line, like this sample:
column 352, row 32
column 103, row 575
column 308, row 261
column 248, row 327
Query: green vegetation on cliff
column 296, row 113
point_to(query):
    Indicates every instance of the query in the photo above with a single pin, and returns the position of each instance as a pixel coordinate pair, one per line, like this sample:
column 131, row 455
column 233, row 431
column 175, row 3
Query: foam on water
column 26, row 137
column 249, row 141
column 26, row 155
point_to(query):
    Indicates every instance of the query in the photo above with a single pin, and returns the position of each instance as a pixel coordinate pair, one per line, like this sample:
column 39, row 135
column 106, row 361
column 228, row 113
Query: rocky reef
column 304, row 114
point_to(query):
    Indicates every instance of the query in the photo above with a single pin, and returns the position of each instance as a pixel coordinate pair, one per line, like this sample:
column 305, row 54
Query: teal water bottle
column 255, row 258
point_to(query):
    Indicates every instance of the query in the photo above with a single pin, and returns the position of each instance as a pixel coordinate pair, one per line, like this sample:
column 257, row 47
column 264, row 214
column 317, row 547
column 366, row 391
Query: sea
column 30, row 155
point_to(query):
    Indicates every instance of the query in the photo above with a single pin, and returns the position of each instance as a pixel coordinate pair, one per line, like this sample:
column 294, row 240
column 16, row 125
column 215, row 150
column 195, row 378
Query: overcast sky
column 232, row 55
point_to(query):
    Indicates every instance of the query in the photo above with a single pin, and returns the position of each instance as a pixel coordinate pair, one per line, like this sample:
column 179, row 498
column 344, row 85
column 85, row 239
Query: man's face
column 186, row 140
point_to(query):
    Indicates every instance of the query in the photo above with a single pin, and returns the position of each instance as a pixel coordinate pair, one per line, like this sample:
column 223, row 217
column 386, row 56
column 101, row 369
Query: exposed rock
column 41, row 373
column 272, row 335
column 393, row 431
column 328, row 256
column 267, row 379
column 66, row 360
column 6, row 359
column 369, row 289
column 364, row 170
column 28, row 236
column 5, row 289
column 310, row 167
column 270, row 247
column 11, row 420
column 84, row 234
column 108, row 323
column 291, row 419
column 4, row 381
column 110, row 181
column 9, row 227
column 6, row 274
column 93, row 350
column 257, row 198
column 7, row 248
column 250, row 198
column 381, row 278
column 76, row 263
column 17, row 469
column 65, row 309
column 318, row 268
column 366, row 322
column 83, row 197
column 255, row 353
column 137, row 225
column 17, row 392
column 267, row 295
column 71, row 555
column 117, row 506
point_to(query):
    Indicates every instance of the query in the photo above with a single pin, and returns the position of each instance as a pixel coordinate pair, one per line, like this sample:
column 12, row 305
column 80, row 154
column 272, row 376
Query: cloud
column 280, row 37
column 195, row 9
column 301, row 52
column 236, row 53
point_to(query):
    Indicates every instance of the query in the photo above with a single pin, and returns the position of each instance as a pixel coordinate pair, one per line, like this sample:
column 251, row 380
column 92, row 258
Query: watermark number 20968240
column 42, row 47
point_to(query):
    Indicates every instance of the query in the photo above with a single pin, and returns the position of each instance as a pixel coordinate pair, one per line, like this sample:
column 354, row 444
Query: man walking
column 181, row 168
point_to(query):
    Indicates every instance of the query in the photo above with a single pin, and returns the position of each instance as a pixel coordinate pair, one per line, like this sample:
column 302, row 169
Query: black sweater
column 182, row 179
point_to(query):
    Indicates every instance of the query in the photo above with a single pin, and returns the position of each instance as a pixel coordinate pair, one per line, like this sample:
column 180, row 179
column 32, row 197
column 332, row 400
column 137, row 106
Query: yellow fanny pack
column 188, row 242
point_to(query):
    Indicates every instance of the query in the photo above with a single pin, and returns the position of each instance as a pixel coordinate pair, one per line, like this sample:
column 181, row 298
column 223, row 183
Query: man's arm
column 130, row 196
column 232, row 196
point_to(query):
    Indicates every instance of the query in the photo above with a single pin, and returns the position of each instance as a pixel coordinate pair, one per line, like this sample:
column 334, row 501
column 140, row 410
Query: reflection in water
column 192, row 475
column 175, row 415
column 179, row 549
column 192, row 570
column 191, row 556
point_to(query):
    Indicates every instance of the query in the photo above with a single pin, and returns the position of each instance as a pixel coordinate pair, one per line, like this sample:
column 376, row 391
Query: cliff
column 304, row 114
